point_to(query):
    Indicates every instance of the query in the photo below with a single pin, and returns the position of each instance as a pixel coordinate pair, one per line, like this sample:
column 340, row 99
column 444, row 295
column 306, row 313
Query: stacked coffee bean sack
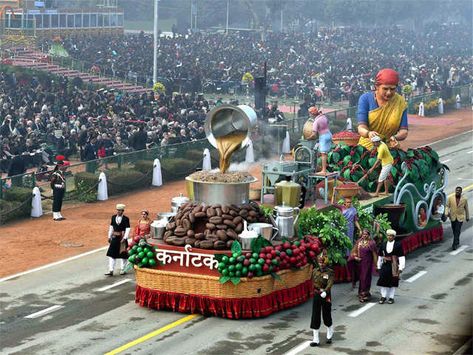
column 210, row 226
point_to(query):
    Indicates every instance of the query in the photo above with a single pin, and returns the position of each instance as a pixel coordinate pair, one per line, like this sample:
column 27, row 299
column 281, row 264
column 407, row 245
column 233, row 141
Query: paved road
column 432, row 314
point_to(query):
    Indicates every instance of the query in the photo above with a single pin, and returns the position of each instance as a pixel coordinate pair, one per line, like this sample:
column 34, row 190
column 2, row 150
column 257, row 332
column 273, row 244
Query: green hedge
column 11, row 210
column 124, row 180
column 84, row 183
column 19, row 196
column 178, row 168
column 146, row 168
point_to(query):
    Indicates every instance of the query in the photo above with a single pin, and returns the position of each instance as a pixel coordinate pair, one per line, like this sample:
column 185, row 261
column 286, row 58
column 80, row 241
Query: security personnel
column 58, row 185
column 322, row 278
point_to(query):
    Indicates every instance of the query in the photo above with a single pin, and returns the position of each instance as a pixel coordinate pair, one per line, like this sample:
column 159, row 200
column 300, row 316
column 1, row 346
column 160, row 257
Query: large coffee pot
column 286, row 219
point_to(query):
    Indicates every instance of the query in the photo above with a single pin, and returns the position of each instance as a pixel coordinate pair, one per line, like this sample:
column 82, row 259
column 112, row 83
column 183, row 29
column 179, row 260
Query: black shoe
column 329, row 341
column 314, row 344
column 110, row 273
column 454, row 247
column 391, row 301
column 382, row 300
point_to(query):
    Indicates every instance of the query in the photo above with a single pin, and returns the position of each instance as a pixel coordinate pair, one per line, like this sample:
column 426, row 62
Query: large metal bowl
column 225, row 193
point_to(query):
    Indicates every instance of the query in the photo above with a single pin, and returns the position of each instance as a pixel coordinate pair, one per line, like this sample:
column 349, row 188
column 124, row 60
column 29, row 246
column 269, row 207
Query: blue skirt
column 325, row 142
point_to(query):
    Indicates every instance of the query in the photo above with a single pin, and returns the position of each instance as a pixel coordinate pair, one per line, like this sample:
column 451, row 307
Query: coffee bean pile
column 217, row 176
column 210, row 227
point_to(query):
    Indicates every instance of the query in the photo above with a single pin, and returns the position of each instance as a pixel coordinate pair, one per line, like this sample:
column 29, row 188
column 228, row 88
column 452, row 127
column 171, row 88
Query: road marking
column 471, row 151
column 459, row 250
column 52, row 264
column 152, row 334
column 361, row 310
column 299, row 348
column 446, row 161
column 465, row 179
column 447, row 138
column 416, row 276
column 44, row 311
column 105, row 288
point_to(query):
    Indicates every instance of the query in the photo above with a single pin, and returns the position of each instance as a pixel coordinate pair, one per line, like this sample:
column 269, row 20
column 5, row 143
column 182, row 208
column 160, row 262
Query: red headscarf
column 387, row 77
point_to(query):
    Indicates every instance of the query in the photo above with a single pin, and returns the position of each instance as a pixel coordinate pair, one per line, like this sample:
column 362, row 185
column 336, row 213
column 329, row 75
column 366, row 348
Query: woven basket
column 180, row 282
column 348, row 141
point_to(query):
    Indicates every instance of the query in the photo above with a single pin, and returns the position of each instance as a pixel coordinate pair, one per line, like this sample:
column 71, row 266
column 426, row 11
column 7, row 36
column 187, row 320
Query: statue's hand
column 372, row 134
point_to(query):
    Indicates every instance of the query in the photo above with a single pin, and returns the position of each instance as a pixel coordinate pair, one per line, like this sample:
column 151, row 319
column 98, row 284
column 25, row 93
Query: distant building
column 51, row 18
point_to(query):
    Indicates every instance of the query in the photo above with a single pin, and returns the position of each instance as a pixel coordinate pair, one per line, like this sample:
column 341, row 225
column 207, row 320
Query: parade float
column 221, row 254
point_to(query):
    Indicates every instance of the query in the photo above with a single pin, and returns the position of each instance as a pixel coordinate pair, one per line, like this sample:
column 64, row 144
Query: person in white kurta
column 440, row 106
column 421, row 109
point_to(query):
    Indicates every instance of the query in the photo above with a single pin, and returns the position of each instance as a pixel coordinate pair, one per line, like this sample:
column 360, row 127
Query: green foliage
column 266, row 210
column 146, row 168
column 124, row 180
column 354, row 162
column 375, row 224
column 85, row 183
column 330, row 226
column 20, row 195
column 177, row 168
column 9, row 210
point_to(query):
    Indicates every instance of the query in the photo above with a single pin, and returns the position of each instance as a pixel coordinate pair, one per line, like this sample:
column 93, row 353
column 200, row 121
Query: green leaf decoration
column 394, row 172
column 346, row 160
column 360, row 149
column 410, row 153
column 346, row 174
column 219, row 257
column 371, row 161
column 235, row 280
column 236, row 247
column 335, row 157
column 224, row 279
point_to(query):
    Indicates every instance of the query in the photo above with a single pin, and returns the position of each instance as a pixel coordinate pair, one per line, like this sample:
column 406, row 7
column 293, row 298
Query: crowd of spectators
column 336, row 61
column 40, row 117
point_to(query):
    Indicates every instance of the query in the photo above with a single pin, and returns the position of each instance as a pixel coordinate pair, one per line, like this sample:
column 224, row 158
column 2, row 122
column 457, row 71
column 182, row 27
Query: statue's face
column 385, row 92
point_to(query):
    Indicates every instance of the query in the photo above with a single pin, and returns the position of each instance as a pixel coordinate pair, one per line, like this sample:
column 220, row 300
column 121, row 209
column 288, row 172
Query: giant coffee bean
column 200, row 215
column 206, row 244
column 243, row 213
column 167, row 234
column 225, row 209
column 221, row 226
column 190, row 233
column 190, row 241
column 210, row 226
column 200, row 236
column 218, row 210
column 233, row 213
column 229, row 223
column 180, row 232
column 215, row 220
column 211, row 212
column 197, row 209
column 179, row 242
column 192, row 217
column 222, row 235
column 237, row 219
column 171, row 225
column 186, row 224
column 239, row 228
column 227, row 216
column 231, row 234
column 219, row 245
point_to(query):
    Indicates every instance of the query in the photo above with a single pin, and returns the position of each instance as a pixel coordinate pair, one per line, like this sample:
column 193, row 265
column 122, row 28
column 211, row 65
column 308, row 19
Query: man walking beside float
column 118, row 238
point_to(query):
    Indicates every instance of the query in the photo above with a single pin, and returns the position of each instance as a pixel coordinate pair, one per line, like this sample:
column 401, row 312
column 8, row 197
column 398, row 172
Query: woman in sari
column 383, row 112
column 363, row 256
column 143, row 228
